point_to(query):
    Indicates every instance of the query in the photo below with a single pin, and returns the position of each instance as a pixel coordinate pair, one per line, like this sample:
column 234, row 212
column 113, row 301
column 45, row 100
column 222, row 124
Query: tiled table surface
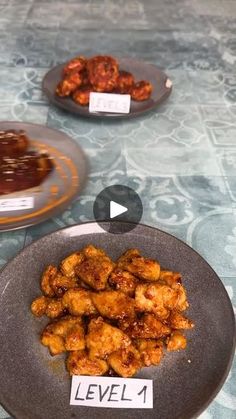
column 181, row 159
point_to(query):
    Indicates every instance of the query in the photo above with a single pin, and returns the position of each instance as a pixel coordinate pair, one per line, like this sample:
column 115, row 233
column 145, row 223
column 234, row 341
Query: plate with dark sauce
column 41, row 171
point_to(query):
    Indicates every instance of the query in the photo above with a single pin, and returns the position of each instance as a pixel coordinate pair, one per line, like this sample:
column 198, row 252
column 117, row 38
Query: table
column 181, row 158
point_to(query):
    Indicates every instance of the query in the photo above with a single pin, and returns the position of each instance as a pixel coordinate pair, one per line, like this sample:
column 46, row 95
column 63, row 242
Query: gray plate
column 140, row 70
column 34, row 385
column 62, row 185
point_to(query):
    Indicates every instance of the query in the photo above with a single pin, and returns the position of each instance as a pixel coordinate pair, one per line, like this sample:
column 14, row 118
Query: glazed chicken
column 111, row 317
column 101, row 73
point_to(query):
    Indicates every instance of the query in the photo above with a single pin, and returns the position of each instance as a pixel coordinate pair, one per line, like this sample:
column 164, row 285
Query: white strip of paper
column 16, row 204
column 109, row 102
column 112, row 392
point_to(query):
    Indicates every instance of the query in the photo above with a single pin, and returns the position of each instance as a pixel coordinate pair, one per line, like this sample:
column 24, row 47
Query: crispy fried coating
column 54, row 335
column 124, row 82
column 74, row 339
column 65, row 87
column 51, row 307
column 170, row 278
column 103, row 339
column 176, row 341
column 49, row 273
column 143, row 268
column 179, row 321
column 79, row 302
column 182, row 303
column 123, row 281
column 76, row 64
column 148, row 327
column 68, row 264
column 151, row 351
column 91, row 251
column 103, row 73
column 156, row 298
column 82, row 95
column 95, row 271
column 141, row 91
column 113, row 304
column 79, row 363
column 61, row 283
column 39, row 305
column 126, row 361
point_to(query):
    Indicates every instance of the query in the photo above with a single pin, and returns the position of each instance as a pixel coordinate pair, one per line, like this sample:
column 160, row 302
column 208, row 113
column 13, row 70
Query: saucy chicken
column 101, row 73
column 111, row 317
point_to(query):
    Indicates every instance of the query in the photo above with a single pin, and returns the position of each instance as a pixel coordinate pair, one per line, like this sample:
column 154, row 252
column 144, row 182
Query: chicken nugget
column 103, row 73
column 77, row 63
column 66, row 87
column 113, row 304
column 148, row 327
column 79, row 363
column 176, row 341
column 126, row 361
column 141, row 91
column 151, row 351
column 123, row 281
column 125, row 82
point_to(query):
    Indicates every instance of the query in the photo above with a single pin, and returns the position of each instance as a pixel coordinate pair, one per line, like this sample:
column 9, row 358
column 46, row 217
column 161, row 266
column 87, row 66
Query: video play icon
column 118, row 203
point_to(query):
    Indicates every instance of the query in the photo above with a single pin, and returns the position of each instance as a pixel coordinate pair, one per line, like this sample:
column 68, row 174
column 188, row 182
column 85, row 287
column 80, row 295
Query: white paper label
column 109, row 102
column 16, row 204
column 111, row 392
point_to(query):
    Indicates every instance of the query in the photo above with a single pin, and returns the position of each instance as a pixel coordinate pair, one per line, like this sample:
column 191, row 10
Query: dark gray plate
column 59, row 188
column 35, row 386
column 140, row 70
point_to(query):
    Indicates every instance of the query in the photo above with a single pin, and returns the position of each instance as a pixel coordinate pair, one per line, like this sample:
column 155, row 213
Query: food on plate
column 141, row 91
column 21, row 168
column 81, row 76
column 111, row 317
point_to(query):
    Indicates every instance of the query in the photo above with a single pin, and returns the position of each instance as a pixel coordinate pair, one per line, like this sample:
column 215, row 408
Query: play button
column 118, row 203
column 116, row 209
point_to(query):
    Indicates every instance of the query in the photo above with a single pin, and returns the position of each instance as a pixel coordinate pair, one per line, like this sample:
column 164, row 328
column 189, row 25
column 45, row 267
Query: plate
column 140, row 70
column 59, row 188
column 34, row 385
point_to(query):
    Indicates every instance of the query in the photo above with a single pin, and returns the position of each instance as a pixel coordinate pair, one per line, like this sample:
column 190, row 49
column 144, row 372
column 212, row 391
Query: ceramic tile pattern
column 181, row 159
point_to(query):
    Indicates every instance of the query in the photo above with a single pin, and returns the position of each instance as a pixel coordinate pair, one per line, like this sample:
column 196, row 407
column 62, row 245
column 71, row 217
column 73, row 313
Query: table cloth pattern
column 180, row 158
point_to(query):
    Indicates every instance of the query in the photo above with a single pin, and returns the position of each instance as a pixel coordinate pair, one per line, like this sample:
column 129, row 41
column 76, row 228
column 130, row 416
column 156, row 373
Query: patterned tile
column 23, row 111
column 10, row 244
column 219, row 123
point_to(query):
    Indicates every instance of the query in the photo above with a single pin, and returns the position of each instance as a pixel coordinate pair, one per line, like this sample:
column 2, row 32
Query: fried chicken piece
column 126, row 361
column 125, row 82
column 176, row 341
column 123, row 281
column 182, row 303
column 151, row 351
column 13, row 143
column 79, row 363
column 85, row 78
column 113, row 304
column 82, row 95
column 79, row 302
column 103, row 73
column 143, row 268
column 156, row 298
column 103, row 339
column 170, row 278
column 65, row 87
column 91, row 251
column 76, row 64
column 55, row 333
column 148, row 327
column 60, row 284
column 39, row 305
column 68, row 264
column 51, row 307
column 75, row 339
column 49, row 273
column 95, row 271
column 178, row 321
column 127, row 258
column 141, row 91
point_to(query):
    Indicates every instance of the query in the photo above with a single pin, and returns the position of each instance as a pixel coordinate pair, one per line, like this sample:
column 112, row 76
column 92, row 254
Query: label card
column 16, row 204
column 111, row 392
column 109, row 102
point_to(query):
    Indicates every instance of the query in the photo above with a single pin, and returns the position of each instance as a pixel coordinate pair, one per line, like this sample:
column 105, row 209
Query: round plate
column 63, row 184
column 140, row 70
column 35, row 385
